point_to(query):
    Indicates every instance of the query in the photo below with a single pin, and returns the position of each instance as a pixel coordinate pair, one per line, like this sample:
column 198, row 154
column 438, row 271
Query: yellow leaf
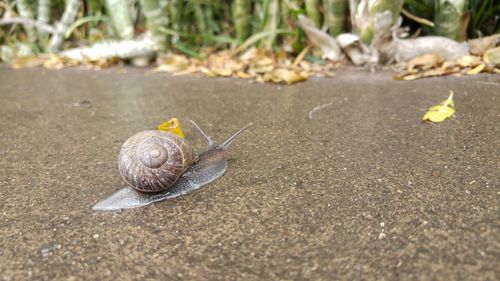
column 208, row 72
column 221, row 71
column 190, row 70
column 476, row 69
column 287, row 75
column 442, row 111
column 261, row 69
column 469, row 61
column 329, row 73
column 28, row 61
column 171, row 126
column 173, row 64
column 425, row 62
column 411, row 77
column 243, row 75
column 492, row 56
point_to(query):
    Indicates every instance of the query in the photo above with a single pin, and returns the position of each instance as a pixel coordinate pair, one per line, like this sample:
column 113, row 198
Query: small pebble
column 45, row 253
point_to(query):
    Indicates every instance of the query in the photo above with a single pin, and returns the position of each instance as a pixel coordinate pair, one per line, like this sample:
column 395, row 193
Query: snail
column 158, row 165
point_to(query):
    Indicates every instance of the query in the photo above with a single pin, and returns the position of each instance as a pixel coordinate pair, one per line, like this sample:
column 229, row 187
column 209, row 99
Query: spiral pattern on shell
column 152, row 161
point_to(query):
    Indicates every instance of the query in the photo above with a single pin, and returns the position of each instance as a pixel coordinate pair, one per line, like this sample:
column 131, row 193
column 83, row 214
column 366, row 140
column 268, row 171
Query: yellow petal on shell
column 171, row 126
column 439, row 113
column 476, row 69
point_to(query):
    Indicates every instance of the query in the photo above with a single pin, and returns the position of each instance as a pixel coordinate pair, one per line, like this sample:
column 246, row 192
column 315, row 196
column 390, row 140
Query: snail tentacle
column 229, row 140
column 208, row 139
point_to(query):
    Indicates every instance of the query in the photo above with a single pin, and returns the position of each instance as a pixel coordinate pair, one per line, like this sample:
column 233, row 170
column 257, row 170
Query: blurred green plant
column 192, row 27
column 364, row 13
column 457, row 19
column 484, row 17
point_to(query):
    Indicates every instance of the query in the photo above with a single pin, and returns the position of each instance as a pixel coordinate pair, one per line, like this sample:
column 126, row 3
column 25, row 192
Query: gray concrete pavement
column 363, row 190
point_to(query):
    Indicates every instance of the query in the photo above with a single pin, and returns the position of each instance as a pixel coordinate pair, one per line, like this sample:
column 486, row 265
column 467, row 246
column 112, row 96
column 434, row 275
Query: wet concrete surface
column 363, row 190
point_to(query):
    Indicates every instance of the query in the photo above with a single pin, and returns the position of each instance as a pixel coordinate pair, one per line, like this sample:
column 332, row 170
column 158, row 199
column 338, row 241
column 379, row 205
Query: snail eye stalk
column 208, row 139
column 227, row 142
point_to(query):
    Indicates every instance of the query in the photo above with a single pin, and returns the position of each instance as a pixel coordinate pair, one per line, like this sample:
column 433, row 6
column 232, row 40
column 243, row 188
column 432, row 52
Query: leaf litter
column 52, row 61
column 255, row 63
column 433, row 65
column 264, row 65
column 260, row 64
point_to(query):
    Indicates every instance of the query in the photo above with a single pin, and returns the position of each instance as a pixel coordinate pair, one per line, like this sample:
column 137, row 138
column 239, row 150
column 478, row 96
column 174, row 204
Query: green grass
column 203, row 23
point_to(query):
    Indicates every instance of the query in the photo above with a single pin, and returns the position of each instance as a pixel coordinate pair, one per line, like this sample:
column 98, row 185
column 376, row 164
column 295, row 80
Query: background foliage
column 190, row 27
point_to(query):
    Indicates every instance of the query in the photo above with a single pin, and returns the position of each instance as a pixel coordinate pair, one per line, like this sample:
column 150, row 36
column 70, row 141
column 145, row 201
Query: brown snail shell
column 152, row 161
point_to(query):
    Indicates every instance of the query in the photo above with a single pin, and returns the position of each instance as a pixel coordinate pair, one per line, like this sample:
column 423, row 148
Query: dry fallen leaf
column 256, row 63
column 469, row 65
column 492, row 56
column 244, row 75
column 172, row 64
column 52, row 61
column 208, row 72
column 285, row 75
column 476, row 69
column 469, row 61
column 171, row 126
column 409, row 77
column 480, row 45
column 28, row 61
column 425, row 62
column 442, row 111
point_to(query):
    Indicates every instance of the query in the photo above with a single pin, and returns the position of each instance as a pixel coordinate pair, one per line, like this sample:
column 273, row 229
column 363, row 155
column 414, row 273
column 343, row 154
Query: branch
column 320, row 39
column 124, row 49
column 67, row 19
column 38, row 24
column 416, row 19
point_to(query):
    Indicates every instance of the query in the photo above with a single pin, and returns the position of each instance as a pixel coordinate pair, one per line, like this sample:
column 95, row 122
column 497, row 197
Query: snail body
column 155, row 170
